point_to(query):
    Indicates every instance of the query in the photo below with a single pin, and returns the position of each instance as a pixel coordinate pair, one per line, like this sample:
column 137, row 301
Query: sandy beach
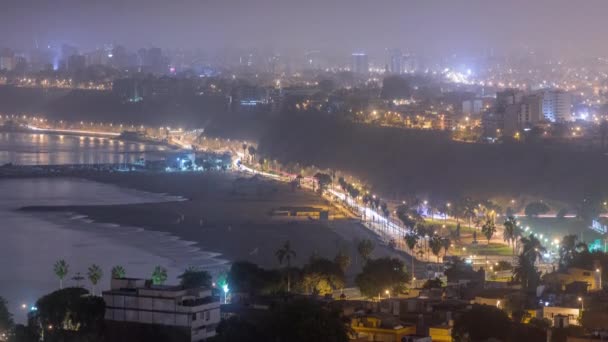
column 230, row 217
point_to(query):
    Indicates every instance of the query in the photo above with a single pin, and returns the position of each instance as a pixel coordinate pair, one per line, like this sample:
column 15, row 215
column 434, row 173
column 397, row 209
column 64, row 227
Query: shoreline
column 237, row 227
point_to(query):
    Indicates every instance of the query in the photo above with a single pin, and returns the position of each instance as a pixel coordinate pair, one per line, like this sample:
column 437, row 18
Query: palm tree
column 94, row 274
column 532, row 248
column 411, row 239
column 510, row 231
column 488, row 229
column 61, row 269
column 286, row 253
column 159, row 275
column 436, row 245
column 569, row 248
column 118, row 272
column 365, row 248
column 252, row 153
column 446, row 245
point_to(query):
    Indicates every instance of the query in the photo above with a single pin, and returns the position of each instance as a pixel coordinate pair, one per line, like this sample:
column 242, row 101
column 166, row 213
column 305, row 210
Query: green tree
column 365, row 248
column 569, row 249
column 482, row 323
column 252, row 152
column 323, row 180
column 118, row 272
column 380, row 275
column 61, row 269
column 488, row 229
column 94, row 274
column 193, row 277
column 433, row 284
column 322, row 276
column 342, row 259
column 286, row 253
column 536, row 208
column 6, row 319
column 409, row 216
column 69, row 310
column 159, row 275
column 248, row 278
column 305, row 320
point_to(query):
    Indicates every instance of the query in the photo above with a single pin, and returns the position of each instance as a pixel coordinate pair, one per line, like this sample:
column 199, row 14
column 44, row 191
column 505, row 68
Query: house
column 175, row 313
column 441, row 333
column 560, row 279
column 381, row 327
column 552, row 313
column 494, row 297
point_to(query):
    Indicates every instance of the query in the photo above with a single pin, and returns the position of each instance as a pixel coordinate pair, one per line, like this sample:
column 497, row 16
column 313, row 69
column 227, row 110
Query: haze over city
column 472, row 27
column 329, row 171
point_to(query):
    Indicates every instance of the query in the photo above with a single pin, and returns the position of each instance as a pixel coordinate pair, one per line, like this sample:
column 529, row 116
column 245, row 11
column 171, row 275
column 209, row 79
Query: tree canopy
column 380, row 275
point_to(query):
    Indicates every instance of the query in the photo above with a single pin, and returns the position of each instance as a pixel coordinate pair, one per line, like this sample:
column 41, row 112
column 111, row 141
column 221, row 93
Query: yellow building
column 377, row 327
column 441, row 333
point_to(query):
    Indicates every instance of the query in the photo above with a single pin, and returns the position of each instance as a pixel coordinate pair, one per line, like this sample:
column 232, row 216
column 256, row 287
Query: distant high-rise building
column 359, row 63
column 557, row 105
column 313, row 59
column 7, row 60
column 395, row 61
column 152, row 60
column 530, row 111
column 76, row 62
column 508, row 97
column 408, row 63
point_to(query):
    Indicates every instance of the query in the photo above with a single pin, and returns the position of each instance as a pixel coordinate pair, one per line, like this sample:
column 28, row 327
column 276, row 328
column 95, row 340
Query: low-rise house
column 441, row 333
column 181, row 314
column 561, row 279
column 572, row 314
column 381, row 327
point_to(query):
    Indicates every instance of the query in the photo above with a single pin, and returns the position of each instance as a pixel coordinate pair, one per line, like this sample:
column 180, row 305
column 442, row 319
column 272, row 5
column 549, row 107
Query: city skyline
column 433, row 28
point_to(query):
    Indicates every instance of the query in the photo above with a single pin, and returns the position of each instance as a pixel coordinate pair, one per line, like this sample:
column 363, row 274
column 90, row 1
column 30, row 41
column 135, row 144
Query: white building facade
column 137, row 301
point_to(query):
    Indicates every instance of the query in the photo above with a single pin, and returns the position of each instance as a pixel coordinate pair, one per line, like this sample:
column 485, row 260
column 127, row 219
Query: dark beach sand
column 235, row 218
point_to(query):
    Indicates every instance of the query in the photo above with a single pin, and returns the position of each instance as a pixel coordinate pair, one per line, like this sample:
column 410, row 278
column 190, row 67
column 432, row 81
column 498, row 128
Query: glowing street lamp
column 226, row 290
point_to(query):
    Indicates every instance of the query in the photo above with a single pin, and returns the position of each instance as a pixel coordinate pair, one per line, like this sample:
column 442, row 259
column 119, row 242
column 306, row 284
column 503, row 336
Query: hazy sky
column 430, row 26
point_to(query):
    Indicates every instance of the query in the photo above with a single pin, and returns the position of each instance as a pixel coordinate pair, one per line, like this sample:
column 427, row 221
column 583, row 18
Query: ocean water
column 50, row 149
column 31, row 242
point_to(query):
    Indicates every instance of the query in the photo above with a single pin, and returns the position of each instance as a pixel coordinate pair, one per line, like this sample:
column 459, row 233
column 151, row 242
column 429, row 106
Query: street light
column 388, row 293
column 225, row 288
column 580, row 300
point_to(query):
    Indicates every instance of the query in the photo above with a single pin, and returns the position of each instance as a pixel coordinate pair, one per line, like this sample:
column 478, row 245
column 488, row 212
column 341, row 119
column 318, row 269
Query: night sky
column 425, row 26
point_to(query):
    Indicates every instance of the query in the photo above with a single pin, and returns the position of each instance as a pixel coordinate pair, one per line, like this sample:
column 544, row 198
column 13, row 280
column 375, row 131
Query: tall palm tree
column 446, row 243
column 252, row 152
column 159, row 275
column 286, row 253
column 435, row 245
column 244, row 146
column 532, row 248
column 61, row 269
column 411, row 239
column 510, row 231
column 118, row 272
column 94, row 274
